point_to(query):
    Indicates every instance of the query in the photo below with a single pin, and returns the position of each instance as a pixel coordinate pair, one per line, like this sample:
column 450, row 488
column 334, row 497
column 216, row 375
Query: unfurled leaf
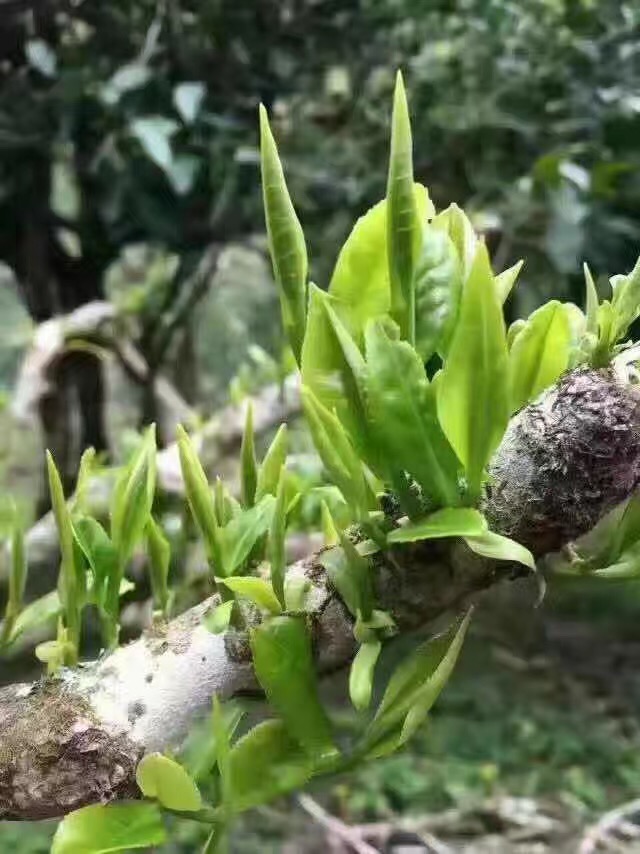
column 361, row 674
column 336, row 452
column 248, row 462
column 72, row 581
column 100, row 829
column 413, row 689
column 272, row 464
column 498, row 547
column 286, row 239
column 132, row 506
column 403, row 225
column 450, row 522
column 200, row 500
column 265, row 763
column 257, row 590
column 85, row 470
column 223, row 729
column 243, row 532
column 625, row 302
column 403, row 417
column 473, row 392
column 218, row 620
column 350, row 574
column 41, row 612
column 461, row 232
column 284, row 666
column 100, row 553
column 333, row 367
column 277, row 535
column 591, row 306
column 505, row 281
column 540, row 353
column 329, row 530
column 360, row 281
column 165, row 780
column 296, row 592
column 438, row 286
column 159, row 560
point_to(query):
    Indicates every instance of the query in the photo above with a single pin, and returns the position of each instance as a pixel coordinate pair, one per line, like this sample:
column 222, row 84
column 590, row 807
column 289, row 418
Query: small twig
column 599, row 833
column 349, row 835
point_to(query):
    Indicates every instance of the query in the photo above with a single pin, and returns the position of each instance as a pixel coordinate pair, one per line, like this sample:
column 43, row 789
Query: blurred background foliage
column 129, row 171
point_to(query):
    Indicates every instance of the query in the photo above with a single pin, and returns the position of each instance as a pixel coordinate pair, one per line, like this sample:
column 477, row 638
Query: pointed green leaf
column 625, row 302
column 284, row 666
column 360, row 281
column 403, row 226
column 438, row 287
column 165, row 780
column 498, row 547
column 473, row 393
column 361, row 674
column 329, row 530
column 277, row 535
column 100, row 553
column 274, row 460
column 265, row 763
column 336, row 452
column 100, row 829
column 461, row 232
column 159, row 560
column 403, row 416
column 257, row 590
column 244, row 531
column 286, row 239
column 134, row 501
column 333, row 367
column 200, row 501
column 71, row 576
column 450, row 522
column 85, row 470
column 218, row 620
column 350, row 574
column 248, row 462
column 591, row 301
column 413, row 689
column 505, row 281
column 540, row 353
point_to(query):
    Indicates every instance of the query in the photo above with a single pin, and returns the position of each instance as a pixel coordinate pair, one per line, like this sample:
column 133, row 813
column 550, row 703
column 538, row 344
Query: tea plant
column 408, row 448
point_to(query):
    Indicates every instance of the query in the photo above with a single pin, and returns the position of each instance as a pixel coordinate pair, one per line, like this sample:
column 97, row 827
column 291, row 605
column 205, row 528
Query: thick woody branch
column 77, row 739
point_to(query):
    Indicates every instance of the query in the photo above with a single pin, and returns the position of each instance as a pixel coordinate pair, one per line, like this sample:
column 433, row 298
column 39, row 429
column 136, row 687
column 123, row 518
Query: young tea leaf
column 540, row 353
column 100, row 553
column 450, row 522
column 277, row 535
column 257, row 590
column 361, row 674
column 200, row 501
column 243, row 532
column 403, row 226
column 272, row 464
column 505, row 281
column 286, row 239
column 133, row 504
column 100, row 829
column 159, row 560
column 438, row 286
column 498, row 547
column 284, row 666
column 165, row 780
column 413, row 689
column 265, row 763
column 218, row 620
column 360, row 282
column 403, row 417
column 473, row 392
column 248, row 462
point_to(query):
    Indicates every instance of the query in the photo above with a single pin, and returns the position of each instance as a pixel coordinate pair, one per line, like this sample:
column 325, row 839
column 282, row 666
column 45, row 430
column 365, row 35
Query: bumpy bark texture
column 564, row 462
